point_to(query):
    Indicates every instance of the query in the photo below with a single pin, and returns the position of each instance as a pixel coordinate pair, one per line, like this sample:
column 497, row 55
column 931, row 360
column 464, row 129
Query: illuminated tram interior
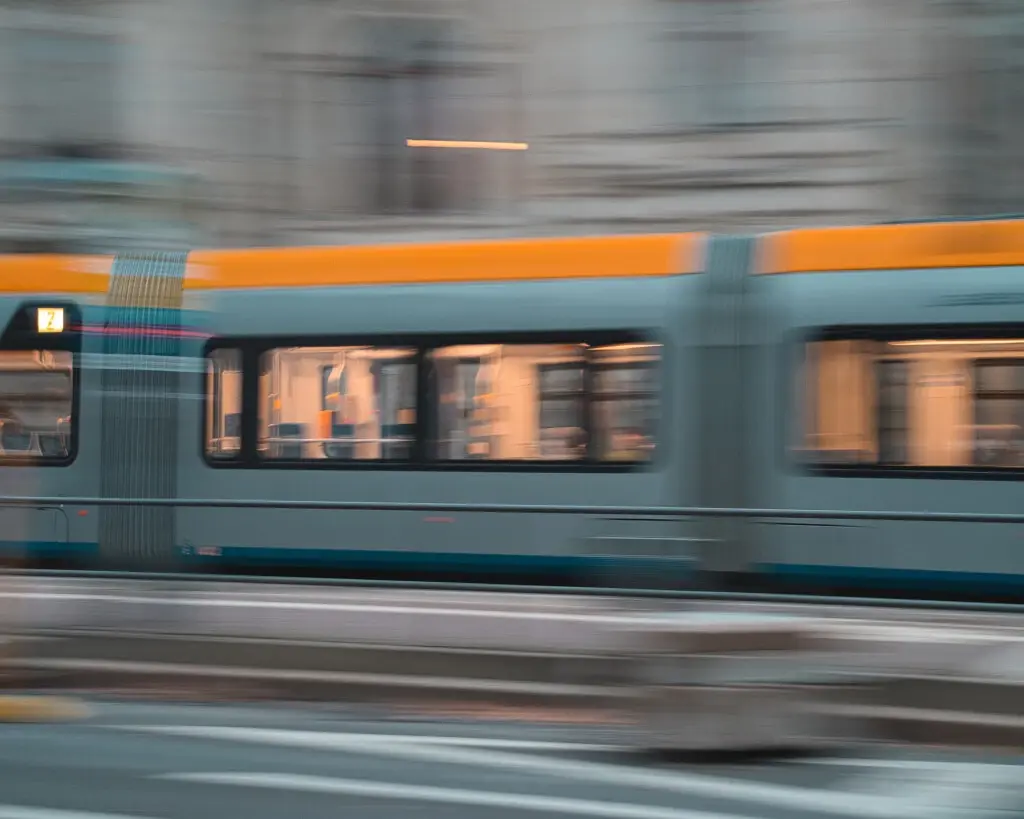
column 35, row 408
column 497, row 402
column 925, row 403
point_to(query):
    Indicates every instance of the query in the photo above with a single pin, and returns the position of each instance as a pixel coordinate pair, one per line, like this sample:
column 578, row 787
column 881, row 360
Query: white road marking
column 314, row 594
column 220, row 602
column 409, row 682
column 901, row 764
column 17, row 812
column 451, row 796
column 905, row 632
column 863, row 806
column 484, row 742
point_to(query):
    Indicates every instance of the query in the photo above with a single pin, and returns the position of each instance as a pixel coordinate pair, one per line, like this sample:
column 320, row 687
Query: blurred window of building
column 67, row 180
column 718, row 62
column 405, row 87
column 422, row 78
column 64, row 76
column 977, row 108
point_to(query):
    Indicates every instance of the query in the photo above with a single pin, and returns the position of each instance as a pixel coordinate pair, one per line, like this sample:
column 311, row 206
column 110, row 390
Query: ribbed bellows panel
column 142, row 350
column 725, row 377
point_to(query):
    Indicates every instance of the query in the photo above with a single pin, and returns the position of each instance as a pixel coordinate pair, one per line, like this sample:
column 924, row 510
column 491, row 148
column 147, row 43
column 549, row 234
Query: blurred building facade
column 237, row 122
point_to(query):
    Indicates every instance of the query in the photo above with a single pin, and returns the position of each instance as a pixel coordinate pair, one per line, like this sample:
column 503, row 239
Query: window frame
column 794, row 356
column 20, row 336
column 252, row 348
column 880, row 426
column 585, row 396
column 214, row 403
column 594, row 398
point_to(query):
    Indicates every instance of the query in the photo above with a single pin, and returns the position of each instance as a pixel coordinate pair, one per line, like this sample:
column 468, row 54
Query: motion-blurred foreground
column 422, row 692
column 183, row 123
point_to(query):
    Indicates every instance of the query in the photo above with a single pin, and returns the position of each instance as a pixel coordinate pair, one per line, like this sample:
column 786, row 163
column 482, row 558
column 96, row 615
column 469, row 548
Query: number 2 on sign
column 50, row 319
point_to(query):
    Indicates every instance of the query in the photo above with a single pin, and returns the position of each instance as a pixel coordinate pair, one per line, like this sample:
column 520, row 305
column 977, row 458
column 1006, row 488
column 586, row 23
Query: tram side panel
column 892, row 390
column 328, row 385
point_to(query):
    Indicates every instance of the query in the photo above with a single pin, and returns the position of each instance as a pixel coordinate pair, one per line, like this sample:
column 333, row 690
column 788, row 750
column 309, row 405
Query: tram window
column 891, row 377
column 625, row 401
column 508, row 402
column 838, row 423
column 337, row 404
column 999, row 412
column 543, row 402
column 921, row 403
column 224, row 404
column 36, row 401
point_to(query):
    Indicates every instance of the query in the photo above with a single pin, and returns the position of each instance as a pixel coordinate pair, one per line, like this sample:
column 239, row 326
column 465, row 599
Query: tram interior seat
column 286, row 449
column 345, row 448
column 52, row 444
column 16, row 441
column 397, row 449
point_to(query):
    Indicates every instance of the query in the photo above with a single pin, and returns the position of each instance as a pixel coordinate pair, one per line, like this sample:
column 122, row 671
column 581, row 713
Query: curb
column 326, row 686
column 907, row 708
column 272, row 655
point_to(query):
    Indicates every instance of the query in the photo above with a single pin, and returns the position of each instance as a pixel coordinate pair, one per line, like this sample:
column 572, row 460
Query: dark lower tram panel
column 555, row 572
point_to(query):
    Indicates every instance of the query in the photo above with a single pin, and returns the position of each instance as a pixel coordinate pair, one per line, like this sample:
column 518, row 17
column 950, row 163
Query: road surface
column 193, row 762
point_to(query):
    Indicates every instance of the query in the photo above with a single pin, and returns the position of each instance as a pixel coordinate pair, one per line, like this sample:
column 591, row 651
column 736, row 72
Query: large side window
column 946, row 402
column 353, row 403
column 541, row 403
column 224, row 404
column 508, row 402
column 36, row 403
column 544, row 402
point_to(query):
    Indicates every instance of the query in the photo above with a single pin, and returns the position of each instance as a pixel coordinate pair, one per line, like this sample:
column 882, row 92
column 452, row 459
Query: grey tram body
column 731, row 345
